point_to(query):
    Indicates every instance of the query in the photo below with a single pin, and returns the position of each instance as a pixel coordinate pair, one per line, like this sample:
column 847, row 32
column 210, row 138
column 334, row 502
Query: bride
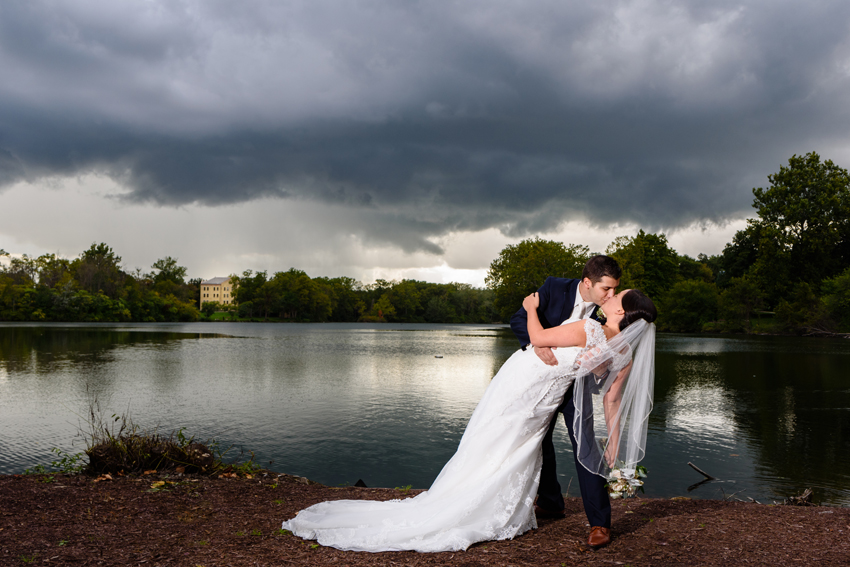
column 486, row 491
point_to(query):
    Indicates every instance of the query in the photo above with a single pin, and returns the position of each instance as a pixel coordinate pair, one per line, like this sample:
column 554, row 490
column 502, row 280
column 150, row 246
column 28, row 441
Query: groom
column 562, row 299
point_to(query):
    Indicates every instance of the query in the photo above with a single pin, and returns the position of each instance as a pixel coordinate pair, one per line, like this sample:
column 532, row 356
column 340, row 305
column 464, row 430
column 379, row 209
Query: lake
column 767, row 416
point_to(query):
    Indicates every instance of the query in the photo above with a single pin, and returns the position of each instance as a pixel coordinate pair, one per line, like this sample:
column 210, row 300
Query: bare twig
column 733, row 495
column 700, row 471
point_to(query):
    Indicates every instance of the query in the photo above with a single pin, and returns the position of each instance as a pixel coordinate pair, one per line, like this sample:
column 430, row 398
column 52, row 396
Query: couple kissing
column 503, row 475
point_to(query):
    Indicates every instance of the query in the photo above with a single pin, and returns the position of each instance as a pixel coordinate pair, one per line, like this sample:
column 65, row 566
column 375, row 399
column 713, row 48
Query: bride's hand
column 610, row 457
column 531, row 302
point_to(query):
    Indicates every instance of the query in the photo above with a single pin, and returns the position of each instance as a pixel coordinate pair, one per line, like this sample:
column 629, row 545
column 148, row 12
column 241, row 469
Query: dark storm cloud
column 431, row 117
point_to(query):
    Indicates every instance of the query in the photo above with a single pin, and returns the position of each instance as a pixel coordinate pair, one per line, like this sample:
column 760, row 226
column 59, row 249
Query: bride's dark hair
column 637, row 306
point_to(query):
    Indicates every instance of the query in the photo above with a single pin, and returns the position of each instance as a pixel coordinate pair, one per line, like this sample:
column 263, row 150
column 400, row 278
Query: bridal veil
column 612, row 413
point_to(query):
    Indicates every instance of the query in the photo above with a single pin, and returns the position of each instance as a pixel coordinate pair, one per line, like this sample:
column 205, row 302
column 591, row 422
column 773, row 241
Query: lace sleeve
column 595, row 334
column 596, row 344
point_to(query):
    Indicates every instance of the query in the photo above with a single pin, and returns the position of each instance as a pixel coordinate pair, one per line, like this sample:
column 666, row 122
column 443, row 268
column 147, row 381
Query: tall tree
column 522, row 268
column 167, row 270
column 98, row 270
column 804, row 224
column 52, row 270
column 405, row 298
column 739, row 255
column 648, row 263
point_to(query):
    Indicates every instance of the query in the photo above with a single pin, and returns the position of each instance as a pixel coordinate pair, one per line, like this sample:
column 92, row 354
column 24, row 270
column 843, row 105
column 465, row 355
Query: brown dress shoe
column 548, row 514
column 599, row 537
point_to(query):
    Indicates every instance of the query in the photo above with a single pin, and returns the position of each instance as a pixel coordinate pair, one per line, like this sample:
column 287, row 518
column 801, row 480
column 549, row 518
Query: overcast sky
column 403, row 139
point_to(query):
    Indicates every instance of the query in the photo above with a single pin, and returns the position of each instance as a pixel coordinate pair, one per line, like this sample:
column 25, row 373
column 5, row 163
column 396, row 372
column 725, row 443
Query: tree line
column 295, row 296
column 94, row 288
column 787, row 271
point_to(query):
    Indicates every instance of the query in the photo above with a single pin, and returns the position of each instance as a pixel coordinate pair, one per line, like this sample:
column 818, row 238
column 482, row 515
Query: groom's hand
column 546, row 355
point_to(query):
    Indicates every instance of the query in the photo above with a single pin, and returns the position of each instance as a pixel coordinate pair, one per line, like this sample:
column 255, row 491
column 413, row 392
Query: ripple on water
column 342, row 402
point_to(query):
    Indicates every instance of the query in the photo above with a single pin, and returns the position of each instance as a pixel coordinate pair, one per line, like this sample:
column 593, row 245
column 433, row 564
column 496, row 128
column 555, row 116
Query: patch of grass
column 314, row 546
column 66, row 463
column 249, row 467
column 404, row 489
column 278, row 502
column 29, row 558
column 63, row 542
column 256, row 532
column 240, row 533
column 203, row 542
column 283, row 532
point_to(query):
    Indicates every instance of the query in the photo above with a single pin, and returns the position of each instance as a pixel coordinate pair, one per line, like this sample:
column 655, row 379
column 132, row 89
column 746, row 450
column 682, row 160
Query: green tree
column 167, row 270
column 802, row 311
column 648, row 263
column 267, row 298
column 738, row 303
column 98, row 270
column 345, row 300
column 804, row 224
column 690, row 269
column 193, row 288
column 688, row 306
column 246, row 310
column 466, row 302
column 738, row 256
column 300, row 297
column 837, row 300
column 246, row 286
column 440, row 310
column 522, row 268
column 405, row 298
column 210, row 307
column 52, row 270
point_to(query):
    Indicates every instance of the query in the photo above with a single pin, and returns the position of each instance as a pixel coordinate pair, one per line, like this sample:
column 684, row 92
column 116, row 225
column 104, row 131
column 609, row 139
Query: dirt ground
column 201, row 521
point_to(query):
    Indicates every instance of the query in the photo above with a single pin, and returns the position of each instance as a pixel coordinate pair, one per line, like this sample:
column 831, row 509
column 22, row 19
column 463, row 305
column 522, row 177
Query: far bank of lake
column 769, row 416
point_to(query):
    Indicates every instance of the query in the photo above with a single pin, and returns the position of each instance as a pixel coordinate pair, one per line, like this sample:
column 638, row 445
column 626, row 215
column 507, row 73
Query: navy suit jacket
column 557, row 299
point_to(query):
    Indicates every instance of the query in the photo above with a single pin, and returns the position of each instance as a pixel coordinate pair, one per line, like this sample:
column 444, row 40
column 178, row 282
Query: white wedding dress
column 486, row 491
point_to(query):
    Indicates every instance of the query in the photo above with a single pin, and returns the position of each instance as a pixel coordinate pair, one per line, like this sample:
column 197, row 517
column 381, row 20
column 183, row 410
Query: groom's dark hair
column 600, row 266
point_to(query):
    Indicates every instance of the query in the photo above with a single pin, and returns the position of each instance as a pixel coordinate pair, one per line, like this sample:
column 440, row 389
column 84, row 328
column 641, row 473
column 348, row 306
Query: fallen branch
column 700, row 471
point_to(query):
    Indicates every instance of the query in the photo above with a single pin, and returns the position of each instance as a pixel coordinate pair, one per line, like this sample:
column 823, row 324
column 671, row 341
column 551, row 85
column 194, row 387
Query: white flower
column 624, row 483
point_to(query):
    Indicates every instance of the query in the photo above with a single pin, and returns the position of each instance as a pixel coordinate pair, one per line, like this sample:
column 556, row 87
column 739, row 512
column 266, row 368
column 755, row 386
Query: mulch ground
column 71, row 520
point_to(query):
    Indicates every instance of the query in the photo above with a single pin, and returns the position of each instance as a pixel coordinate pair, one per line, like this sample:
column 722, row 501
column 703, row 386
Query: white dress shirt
column 581, row 309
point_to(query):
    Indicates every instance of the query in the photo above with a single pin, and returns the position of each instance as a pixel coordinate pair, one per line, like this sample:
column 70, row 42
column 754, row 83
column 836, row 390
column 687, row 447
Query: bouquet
column 624, row 483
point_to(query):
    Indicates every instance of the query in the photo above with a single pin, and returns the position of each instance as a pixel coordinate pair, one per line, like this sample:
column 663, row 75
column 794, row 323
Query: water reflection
column 770, row 412
column 769, row 416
